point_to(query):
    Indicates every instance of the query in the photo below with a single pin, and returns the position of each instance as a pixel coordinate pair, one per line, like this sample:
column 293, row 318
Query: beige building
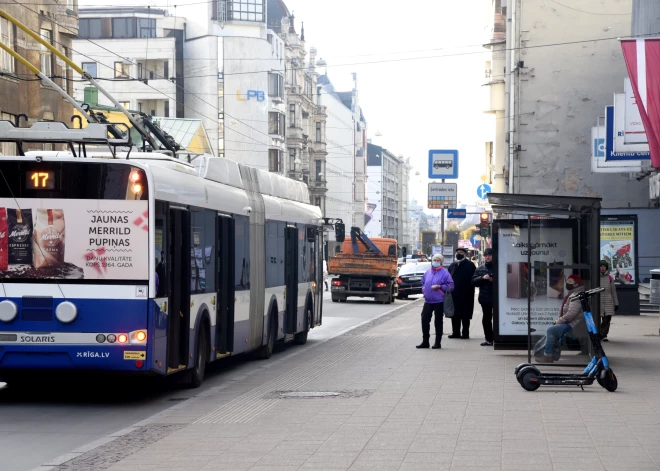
column 550, row 72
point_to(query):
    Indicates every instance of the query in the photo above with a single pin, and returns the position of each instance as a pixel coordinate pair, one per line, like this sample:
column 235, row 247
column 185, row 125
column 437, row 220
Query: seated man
column 570, row 315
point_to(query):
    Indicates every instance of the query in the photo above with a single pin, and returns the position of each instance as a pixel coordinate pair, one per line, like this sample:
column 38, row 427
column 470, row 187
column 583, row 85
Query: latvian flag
column 643, row 62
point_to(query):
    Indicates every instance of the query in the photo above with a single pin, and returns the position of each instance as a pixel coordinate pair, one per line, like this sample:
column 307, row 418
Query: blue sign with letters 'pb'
column 456, row 213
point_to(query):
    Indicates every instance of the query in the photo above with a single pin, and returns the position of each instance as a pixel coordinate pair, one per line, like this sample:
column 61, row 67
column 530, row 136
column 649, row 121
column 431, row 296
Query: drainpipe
column 512, row 65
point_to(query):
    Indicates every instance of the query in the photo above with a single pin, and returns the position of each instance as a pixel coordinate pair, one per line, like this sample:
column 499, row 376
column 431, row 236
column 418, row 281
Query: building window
column 67, row 72
column 292, row 115
column 90, row 68
column 274, row 160
column 317, row 201
column 123, row 27
column 146, row 28
column 166, row 70
column 6, row 38
column 46, row 55
column 308, row 87
column 122, row 70
column 167, row 109
column 141, row 75
column 247, row 10
column 292, row 159
column 319, row 171
column 275, row 85
column 90, row 28
column 125, row 104
column 276, row 123
column 318, row 132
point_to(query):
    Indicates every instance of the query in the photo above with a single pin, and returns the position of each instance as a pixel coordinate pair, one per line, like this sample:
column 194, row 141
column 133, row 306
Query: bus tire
column 301, row 337
column 266, row 351
column 196, row 374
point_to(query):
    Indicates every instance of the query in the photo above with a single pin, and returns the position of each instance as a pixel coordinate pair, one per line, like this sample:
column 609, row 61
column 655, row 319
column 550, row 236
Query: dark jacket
column 485, row 286
column 463, row 294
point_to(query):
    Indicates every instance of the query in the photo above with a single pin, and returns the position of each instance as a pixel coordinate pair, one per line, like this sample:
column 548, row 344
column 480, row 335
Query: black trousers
column 456, row 326
column 605, row 326
column 487, row 320
column 427, row 313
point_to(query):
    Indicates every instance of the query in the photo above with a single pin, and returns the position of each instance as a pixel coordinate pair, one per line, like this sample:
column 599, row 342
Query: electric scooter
column 598, row 369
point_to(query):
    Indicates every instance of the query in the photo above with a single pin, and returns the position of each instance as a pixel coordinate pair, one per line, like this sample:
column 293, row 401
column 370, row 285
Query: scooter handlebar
column 587, row 294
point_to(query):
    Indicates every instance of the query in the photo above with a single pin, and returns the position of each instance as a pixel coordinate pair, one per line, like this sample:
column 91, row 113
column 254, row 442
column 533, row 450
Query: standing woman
column 462, row 271
column 435, row 283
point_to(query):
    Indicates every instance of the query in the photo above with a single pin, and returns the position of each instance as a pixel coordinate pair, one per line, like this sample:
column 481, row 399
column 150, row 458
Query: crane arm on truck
column 358, row 235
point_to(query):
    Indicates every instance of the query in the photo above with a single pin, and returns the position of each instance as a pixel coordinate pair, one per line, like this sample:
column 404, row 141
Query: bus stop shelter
column 540, row 241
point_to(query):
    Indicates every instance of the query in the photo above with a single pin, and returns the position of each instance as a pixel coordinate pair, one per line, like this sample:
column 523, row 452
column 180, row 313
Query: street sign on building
column 483, row 190
column 443, row 164
column 457, row 213
column 442, row 195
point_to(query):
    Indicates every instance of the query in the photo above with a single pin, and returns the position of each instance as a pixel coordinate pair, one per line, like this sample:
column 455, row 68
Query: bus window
column 242, row 266
column 202, row 252
column 161, row 249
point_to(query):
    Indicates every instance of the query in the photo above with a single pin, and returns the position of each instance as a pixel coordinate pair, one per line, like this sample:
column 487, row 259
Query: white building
column 139, row 51
column 234, row 75
column 345, row 144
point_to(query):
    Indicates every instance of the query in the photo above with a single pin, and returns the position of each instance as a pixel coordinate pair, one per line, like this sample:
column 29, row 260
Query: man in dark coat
column 483, row 278
column 462, row 271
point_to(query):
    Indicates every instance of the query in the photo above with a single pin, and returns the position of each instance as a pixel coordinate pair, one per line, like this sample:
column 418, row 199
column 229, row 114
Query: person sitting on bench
column 570, row 315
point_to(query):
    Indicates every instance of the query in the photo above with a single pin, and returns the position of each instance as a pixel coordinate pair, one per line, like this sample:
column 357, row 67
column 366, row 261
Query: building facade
column 138, row 52
column 345, row 149
column 20, row 92
column 384, row 193
column 305, row 154
column 551, row 96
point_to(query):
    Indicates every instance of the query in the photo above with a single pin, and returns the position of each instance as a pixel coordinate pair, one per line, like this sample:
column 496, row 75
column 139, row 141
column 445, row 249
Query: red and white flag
column 642, row 58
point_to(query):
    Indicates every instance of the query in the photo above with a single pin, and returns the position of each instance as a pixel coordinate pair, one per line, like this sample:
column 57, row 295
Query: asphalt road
column 54, row 418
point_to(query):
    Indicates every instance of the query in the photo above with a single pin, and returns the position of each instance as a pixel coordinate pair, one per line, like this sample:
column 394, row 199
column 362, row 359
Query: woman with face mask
column 570, row 315
column 435, row 283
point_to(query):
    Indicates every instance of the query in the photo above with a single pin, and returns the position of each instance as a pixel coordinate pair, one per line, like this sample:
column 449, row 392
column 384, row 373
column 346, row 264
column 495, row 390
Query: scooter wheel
column 607, row 379
column 527, row 380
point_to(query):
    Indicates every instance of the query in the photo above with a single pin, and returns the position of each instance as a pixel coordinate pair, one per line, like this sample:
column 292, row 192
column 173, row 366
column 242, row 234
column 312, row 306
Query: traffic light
column 485, row 224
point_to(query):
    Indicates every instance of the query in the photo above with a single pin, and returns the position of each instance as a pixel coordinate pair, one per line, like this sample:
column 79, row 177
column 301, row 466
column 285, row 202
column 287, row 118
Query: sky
column 410, row 94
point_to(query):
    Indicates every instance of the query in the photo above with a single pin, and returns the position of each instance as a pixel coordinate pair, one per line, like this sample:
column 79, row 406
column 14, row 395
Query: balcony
column 320, row 148
column 293, row 132
column 321, row 111
column 494, row 97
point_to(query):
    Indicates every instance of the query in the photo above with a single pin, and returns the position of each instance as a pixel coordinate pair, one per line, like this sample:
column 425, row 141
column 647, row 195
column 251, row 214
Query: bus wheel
column 301, row 337
column 201, row 358
column 266, row 351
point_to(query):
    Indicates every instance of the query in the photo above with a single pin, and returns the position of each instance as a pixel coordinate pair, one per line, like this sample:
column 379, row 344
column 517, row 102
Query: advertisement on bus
column 71, row 239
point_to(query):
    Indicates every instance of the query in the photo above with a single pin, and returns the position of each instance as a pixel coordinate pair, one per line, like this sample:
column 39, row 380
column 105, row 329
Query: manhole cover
column 310, row 394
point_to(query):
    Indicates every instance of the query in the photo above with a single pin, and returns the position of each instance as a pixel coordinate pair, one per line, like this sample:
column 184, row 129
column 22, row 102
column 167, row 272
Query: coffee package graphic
column 48, row 238
column 20, row 236
column 4, row 240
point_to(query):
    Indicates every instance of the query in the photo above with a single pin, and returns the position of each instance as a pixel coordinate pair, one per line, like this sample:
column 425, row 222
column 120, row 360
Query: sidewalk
column 397, row 408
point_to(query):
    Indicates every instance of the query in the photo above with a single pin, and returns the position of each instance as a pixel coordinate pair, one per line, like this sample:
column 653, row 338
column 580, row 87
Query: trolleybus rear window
column 73, row 221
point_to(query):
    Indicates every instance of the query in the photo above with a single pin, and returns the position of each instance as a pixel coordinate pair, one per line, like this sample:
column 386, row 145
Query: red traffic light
column 484, row 216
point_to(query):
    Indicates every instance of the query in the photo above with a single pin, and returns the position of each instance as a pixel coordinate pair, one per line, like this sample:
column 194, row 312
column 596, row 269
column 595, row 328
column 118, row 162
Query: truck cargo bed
column 362, row 265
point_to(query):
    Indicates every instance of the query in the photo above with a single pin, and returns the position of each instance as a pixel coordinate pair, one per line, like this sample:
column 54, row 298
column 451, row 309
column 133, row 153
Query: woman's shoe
column 436, row 346
column 423, row 345
column 545, row 359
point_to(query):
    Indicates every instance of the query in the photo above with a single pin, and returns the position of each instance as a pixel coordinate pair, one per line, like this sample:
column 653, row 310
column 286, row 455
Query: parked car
column 410, row 278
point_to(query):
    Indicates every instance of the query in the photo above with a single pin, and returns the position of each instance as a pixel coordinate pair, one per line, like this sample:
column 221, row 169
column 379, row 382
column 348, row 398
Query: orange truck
column 366, row 268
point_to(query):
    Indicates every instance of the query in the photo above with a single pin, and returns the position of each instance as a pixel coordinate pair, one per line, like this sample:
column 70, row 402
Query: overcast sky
column 431, row 102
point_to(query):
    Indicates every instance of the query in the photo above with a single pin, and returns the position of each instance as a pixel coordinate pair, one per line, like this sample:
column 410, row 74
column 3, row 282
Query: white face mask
column 435, row 263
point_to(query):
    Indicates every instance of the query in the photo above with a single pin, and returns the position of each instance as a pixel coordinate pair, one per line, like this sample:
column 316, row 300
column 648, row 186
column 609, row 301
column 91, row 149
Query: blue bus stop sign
column 483, row 190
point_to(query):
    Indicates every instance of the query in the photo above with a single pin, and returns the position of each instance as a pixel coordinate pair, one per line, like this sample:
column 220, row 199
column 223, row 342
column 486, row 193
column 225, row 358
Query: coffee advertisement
column 543, row 282
column 73, row 239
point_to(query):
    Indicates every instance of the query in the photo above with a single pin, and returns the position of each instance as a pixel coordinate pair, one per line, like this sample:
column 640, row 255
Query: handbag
column 448, row 305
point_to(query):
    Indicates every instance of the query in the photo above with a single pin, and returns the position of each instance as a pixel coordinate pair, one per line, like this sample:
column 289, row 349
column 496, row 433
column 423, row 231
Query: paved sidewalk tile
column 459, row 408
